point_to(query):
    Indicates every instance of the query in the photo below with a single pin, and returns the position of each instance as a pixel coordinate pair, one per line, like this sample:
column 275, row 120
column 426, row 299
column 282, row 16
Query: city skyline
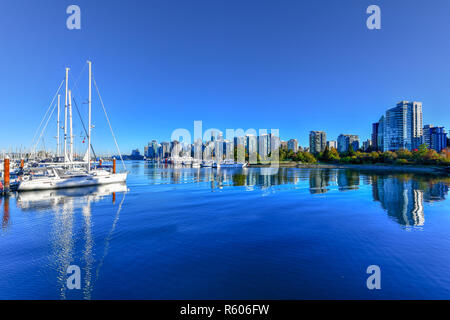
column 400, row 127
column 261, row 66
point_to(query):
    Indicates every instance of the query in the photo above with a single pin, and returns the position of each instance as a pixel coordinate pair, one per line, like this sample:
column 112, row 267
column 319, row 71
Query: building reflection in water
column 402, row 196
column 64, row 204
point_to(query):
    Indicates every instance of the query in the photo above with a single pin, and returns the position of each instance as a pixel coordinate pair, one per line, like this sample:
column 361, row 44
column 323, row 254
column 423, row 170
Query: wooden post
column 114, row 198
column 6, row 174
column 22, row 163
column 114, row 165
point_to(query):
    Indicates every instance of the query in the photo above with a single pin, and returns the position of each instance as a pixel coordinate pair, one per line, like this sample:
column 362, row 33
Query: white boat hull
column 236, row 165
column 71, row 182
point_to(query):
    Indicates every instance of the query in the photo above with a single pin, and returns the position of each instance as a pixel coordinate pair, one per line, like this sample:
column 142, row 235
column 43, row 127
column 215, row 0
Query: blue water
column 231, row 234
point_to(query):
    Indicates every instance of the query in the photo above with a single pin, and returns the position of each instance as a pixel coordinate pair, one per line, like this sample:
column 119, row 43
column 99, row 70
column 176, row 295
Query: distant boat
column 232, row 164
column 207, row 163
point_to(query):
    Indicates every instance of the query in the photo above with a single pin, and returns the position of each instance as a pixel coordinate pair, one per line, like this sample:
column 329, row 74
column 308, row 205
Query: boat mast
column 89, row 124
column 58, row 128
column 65, row 116
column 70, row 125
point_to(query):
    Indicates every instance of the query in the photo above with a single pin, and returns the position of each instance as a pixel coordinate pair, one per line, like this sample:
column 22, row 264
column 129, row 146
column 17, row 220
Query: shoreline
column 369, row 167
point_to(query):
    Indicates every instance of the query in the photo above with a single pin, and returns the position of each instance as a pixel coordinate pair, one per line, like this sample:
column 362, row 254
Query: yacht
column 56, row 178
column 71, row 173
column 207, row 163
column 232, row 164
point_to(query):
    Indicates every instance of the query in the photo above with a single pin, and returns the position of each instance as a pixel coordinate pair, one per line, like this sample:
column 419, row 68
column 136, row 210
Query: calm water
column 231, row 234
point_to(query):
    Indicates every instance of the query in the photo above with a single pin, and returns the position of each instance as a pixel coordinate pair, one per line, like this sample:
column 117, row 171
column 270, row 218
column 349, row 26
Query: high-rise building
column 403, row 126
column 344, row 142
column 427, row 135
column 380, row 136
column 252, row 144
column 263, row 145
column 164, row 150
column 228, row 149
column 152, row 149
column 438, row 139
column 332, row 144
column 367, row 145
column 275, row 143
column 293, row 145
column 375, row 127
column 317, row 141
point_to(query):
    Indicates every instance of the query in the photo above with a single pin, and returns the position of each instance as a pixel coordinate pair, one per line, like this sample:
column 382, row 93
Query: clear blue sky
column 293, row 65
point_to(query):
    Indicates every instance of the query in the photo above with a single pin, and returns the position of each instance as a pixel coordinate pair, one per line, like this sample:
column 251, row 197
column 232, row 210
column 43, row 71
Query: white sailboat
column 68, row 175
column 232, row 164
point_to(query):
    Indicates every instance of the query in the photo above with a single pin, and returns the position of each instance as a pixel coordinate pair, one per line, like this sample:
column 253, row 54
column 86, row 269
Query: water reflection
column 65, row 204
column 402, row 196
column 74, row 241
column 5, row 219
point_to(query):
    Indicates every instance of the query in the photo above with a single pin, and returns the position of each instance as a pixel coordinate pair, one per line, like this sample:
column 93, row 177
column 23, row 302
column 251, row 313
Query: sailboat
column 69, row 174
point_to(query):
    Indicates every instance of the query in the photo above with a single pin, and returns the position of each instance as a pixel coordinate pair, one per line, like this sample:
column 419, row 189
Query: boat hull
column 74, row 182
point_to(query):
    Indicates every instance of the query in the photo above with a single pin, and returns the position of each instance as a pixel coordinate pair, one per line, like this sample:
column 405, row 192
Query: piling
column 22, row 163
column 100, row 162
column 114, row 165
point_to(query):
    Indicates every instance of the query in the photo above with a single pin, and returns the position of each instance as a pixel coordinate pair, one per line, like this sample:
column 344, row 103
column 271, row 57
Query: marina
column 66, row 171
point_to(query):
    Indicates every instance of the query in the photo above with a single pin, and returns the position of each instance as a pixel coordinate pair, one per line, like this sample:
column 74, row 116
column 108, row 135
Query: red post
column 114, row 197
column 114, row 165
column 22, row 163
column 6, row 173
column 100, row 162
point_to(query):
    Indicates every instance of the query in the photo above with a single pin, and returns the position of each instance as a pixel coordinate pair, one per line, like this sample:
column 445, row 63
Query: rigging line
column 109, row 123
column 75, row 86
column 43, row 118
column 109, row 237
column 79, row 114
column 43, row 129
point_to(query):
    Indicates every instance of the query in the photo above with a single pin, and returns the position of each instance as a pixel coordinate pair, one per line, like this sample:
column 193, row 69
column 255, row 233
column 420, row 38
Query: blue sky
column 160, row 65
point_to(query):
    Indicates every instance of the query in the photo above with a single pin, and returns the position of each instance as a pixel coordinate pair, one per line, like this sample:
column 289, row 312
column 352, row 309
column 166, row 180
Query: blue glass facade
column 438, row 138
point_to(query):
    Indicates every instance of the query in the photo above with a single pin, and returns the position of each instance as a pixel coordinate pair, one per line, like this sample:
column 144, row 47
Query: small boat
column 232, row 164
column 207, row 163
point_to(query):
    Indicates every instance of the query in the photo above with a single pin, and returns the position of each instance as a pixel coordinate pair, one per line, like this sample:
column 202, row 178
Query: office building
column 292, row 144
column 344, row 142
column 332, row 144
column 317, row 141
column 375, row 127
column 438, row 139
column 403, row 126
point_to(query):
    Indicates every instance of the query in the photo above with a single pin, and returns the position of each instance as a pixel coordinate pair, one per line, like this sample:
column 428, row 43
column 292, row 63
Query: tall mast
column 65, row 116
column 57, row 129
column 70, row 125
column 89, row 124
